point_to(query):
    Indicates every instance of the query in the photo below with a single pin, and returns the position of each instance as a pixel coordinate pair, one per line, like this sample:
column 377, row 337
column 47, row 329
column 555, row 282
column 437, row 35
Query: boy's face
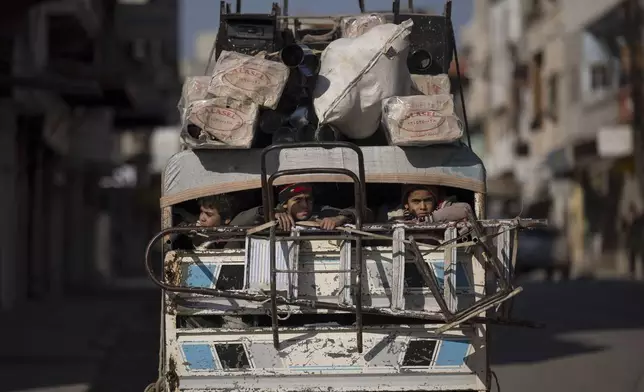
column 421, row 203
column 209, row 217
column 300, row 207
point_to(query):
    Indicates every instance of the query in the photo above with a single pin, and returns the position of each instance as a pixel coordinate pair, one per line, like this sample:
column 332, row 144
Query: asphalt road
column 593, row 342
column 94, row 343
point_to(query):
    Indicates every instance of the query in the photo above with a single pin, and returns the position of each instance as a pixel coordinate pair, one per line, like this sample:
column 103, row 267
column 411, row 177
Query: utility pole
column 636, row 79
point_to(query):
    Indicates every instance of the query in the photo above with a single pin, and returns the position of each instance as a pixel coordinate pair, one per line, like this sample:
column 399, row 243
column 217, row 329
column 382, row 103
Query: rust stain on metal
column 171, row 375
column 172, row 268
column 171, row 304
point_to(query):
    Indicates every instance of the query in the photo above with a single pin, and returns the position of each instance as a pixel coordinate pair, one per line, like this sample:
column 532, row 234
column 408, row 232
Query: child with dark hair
column 215, row 211
column 425, row 203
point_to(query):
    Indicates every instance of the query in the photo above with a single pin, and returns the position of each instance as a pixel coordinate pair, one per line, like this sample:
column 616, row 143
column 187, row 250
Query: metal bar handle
column 359, row 197
column 324, row 145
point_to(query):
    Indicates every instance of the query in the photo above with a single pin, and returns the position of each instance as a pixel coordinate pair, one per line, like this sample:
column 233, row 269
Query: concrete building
column 74, row 78
column 545, row 89
column 489, row 42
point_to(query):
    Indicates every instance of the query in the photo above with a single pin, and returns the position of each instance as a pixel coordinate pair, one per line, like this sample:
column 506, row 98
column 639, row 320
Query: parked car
column 545, row 250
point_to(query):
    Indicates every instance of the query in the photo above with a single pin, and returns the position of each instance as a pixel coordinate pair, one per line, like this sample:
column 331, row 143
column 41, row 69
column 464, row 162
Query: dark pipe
column 396, row 11
column 306, row 133
column 419, row 61
column 326, row 133
column 284, row 135
column 270, row 121
column 292, row 55
column 295, row 55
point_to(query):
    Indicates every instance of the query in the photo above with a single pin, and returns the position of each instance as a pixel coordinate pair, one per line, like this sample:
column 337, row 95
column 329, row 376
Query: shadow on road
column 567, row 307
column 94, row 342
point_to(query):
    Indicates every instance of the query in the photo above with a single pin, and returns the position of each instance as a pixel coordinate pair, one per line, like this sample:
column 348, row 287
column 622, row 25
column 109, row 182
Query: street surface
column 105, row 343
column 593, row 342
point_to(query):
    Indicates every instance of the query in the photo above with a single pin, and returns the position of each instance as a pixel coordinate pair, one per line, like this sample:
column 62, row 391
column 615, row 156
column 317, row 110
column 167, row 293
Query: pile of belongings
column 359, row 85
column 250, row 93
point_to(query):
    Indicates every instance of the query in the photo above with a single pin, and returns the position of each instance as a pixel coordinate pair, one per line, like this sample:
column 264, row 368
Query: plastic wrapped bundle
column 194, row 89
column 222, row 122
column 355, row 26
column 431, row 84
column 240, row 76
column 420, row 120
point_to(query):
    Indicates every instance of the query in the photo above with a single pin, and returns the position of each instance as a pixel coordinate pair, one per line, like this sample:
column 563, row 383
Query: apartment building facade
column 74, row 78
column 548, row 85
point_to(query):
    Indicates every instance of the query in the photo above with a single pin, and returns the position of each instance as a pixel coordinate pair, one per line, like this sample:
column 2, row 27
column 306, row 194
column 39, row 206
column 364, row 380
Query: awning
column 615, row 141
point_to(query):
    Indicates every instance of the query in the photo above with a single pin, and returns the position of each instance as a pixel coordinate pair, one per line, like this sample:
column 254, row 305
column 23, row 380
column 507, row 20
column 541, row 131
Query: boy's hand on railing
column 332, row 223
column 285, row 221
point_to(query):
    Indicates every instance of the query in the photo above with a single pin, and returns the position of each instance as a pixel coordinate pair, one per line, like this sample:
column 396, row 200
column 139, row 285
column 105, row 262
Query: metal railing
column 359, row 203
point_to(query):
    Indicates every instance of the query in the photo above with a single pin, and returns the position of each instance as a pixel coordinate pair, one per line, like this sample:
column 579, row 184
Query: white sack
column 420, row 120
column 356, row 74
column 239, row 76
column 355, row 26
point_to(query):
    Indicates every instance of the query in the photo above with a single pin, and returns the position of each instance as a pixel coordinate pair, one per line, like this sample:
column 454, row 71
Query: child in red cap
column 296, row 204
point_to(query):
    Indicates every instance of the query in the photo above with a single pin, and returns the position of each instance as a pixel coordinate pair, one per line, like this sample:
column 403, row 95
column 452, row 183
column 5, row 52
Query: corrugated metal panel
column 258, row 273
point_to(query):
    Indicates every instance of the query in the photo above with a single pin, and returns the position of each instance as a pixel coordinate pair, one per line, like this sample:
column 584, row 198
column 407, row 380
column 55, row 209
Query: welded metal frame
column 231, row 232
column 505, row 292
column 359, row 203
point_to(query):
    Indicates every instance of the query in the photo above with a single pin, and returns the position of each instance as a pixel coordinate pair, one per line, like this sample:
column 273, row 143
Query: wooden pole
column 636, row 78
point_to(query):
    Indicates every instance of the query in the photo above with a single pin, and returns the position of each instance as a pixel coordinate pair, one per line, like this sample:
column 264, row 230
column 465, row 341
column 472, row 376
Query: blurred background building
column 83, row 86
column 88, row 111
column 88, row 119
column 549, row 99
